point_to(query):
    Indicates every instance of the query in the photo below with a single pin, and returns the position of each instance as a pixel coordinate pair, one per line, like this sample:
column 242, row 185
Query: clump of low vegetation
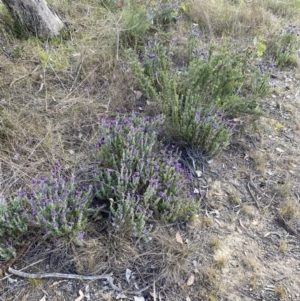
column 141, row 179
column 57, row 207
column 284, row 46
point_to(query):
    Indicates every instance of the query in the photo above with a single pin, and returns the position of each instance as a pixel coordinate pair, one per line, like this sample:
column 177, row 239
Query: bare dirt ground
column 243, row 245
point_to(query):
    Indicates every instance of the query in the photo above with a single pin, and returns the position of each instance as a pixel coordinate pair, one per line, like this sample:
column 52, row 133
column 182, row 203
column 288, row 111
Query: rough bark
column 35, row 16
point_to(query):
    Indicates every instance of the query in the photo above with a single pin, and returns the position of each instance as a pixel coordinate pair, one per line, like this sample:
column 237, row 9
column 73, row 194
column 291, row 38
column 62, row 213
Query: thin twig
column 17, row 79
column 254, row 198
column 77, row 73
column 154, row 291
column 82, row 82
column 271, row 201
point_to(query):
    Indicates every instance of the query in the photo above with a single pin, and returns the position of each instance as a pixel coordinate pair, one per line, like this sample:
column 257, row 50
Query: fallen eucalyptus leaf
column 121, row 296
column 179, row 238
column 57, row 282
column 196, row 191
column 191, row 280
column 198, row 173
column 128, row 275
column 81, row 296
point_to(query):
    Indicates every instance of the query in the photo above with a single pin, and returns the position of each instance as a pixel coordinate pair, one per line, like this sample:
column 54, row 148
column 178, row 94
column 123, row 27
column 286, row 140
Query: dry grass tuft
column 284, row 189
column 282, row 246
column 289, row 210
column 215, row 243
column 280, row 291
column 234, row 198
column 260, row 159
column 251, row 262
column 220, row 262
column 253, row 281
column 54, row 92
column 172, row 258
column 103, row 251
column 249, row 210
column 235, row 18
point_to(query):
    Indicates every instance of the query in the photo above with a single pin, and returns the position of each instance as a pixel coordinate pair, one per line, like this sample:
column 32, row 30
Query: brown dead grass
column 238, row 18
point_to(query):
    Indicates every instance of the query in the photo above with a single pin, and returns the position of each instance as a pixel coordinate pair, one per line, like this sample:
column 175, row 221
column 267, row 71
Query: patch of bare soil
column 243, row 245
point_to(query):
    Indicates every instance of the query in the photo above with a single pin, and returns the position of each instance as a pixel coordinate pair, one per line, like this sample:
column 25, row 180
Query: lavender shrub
column 59, row 206
column 141, row 182
column 13, row 224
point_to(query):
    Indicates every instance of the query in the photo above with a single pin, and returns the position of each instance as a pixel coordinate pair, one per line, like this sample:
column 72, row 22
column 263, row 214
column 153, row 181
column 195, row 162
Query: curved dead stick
column 67, row 276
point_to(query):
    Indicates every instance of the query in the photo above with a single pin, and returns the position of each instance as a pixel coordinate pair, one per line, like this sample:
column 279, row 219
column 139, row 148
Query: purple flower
column 100, row 142
column 174, row 41
column 80, row 236
column 151, row 56
column 195, row 30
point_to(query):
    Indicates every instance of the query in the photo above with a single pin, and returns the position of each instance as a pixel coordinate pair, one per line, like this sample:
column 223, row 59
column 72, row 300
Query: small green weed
column 166, row 15
column 34, row 282
column 135, row 22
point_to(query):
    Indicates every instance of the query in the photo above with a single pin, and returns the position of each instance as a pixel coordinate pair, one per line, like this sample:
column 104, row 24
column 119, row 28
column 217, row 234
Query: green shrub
column 141, row 182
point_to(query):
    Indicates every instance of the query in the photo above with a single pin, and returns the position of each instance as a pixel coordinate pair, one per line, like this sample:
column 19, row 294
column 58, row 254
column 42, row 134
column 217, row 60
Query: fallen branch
column 67, row 276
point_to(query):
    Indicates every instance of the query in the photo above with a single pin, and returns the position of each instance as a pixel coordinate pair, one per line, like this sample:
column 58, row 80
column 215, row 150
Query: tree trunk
column 35, row 16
